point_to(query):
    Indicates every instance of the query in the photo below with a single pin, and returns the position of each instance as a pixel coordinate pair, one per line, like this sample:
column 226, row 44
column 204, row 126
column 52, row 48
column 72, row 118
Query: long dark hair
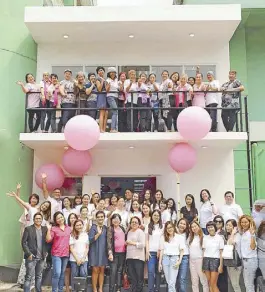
column 68, row 220
column 155, row 201
column 192, row 206
column 166, row 236
column 233, row 222
column 208, row 192
column 151, row 225
column 66, row 198
column 75, row 233
column 173, row 208
column 192, row 234
column 46, row 214
column 145, row 204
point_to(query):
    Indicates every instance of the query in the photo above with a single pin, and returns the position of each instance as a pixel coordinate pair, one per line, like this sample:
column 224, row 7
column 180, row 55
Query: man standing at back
column 230, row 210
column 35, row 250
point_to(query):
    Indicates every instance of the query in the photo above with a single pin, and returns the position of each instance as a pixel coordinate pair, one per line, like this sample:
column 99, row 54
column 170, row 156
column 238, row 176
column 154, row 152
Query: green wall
column 17, row 57
column 247, row 56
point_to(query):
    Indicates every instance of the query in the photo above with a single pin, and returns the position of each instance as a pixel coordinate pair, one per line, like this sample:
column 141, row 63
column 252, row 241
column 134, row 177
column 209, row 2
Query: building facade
column 227, row 35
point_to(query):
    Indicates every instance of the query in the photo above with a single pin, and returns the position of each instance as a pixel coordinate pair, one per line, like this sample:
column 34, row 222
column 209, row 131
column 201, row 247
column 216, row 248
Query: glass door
column 138, row 69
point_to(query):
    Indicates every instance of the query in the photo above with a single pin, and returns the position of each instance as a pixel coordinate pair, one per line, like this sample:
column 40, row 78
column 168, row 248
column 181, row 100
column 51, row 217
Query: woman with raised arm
column 59, row 235
column 98, row 257
column 32, row 89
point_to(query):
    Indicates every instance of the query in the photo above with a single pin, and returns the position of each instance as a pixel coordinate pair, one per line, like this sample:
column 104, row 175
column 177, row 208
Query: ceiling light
column 131, row 147
column 65, row 147
column 131, row 36
column 66, row 36
column 192, row 35
column 204, row 147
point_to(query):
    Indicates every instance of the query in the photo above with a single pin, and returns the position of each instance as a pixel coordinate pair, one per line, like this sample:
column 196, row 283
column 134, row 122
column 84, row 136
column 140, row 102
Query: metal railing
column 132, row 114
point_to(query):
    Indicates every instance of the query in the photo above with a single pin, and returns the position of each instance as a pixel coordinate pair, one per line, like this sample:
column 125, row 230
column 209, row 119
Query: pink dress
column 198, row 97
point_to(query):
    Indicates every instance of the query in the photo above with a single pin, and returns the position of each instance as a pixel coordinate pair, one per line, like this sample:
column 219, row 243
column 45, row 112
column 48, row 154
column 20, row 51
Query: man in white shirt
column 54, row 198
column 230, row 210
column 212, row 98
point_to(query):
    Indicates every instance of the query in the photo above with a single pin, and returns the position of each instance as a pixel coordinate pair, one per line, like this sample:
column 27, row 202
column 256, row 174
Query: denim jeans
column 92, row 112
column 33, row 267
column 170, row 271
column 249, row 273
column 59, row 265
column 67, row 114
column 78, row 271
column 116, row 270
column 132, row 125
column 113, row 106
column 213, row 115
column 262, row 266
column 154, row 277
column 234, row 275
column 183, row 274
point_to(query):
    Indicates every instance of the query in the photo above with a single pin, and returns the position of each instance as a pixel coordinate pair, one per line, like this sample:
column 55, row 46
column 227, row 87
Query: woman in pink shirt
column 199, row 95
column 116, row 251
column 59, row 235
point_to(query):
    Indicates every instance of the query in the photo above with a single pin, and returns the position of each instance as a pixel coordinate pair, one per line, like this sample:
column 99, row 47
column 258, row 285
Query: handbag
column 235, row 261
column 228, row 252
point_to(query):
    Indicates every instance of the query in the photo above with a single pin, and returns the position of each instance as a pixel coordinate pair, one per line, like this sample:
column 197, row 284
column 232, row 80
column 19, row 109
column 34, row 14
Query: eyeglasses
column 100, row 217
column 218, row 221
column 134, row 222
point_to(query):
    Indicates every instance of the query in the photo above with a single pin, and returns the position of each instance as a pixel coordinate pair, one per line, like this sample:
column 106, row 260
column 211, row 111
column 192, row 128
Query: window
column 190, row 70
column 59, row 70
column 159, row 69
column 118, row 185
column 72, row 186
column 92, row 69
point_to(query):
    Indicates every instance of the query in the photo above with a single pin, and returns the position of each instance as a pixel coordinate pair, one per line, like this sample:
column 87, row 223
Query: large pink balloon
column 82, row 132
column 182, row 157
column 194, row 123
column 55, row 176
column 76, row 162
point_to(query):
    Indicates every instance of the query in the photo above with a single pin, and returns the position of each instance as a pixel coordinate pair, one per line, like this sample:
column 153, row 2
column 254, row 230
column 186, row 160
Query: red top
column 60, row 241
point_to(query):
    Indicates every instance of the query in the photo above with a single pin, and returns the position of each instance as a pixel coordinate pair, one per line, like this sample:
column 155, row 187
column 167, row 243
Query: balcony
column 131, row 136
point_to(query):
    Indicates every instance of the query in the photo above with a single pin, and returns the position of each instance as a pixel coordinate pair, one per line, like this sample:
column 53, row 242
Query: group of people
column 132, row 232
column 137, row 103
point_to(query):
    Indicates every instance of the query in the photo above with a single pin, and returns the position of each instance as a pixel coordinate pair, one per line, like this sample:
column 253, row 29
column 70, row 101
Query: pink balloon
column 82, row 132
column 182, row 157
column 76, row 162
column 194, row 123
column 55, row 176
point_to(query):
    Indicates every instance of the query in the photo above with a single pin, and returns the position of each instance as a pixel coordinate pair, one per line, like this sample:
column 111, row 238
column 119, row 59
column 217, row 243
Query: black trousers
column 116, row 271
column 132, row 126
column 122, row 117
column 31, row 114
column 229, row 119
column 136, row 274
column 222, row 282
column 213, row 115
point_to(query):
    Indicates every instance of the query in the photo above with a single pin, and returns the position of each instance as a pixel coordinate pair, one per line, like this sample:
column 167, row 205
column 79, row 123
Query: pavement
column 15, row 288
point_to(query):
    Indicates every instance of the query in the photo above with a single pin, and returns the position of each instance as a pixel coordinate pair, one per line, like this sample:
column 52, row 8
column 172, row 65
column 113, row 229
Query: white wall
column 214, row 170
column 133, row 53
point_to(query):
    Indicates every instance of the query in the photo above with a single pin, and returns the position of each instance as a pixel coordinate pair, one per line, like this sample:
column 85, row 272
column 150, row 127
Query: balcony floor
column 231, row 140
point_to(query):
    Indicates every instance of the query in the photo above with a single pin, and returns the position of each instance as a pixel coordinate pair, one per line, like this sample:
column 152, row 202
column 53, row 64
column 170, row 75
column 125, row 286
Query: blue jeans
column 170, row 271
column 33, row 267
column 78, row 271
column 154, row 277
column 250, row 267
column 183, row 274
column 59, row 265
column 113, row 106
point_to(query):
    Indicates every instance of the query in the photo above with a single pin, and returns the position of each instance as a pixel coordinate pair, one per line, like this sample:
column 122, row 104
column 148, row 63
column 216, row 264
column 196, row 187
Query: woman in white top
column 130, row 86
column 86, row 203
column 207, row 211
column 135, row 211
column 171, row 206
column 146, row 214
column 67, row 208
column 195, row 247
column 172, row 247
column 233, row 237
column 79, row 245
column 249, row 255
column 100, row 207
column 183, row 230
column 112, row 88
column 261, row 247
column 153, row 232
column 153, row 89
column 84, row 217
column 122, row 212
column 156, row 202
column 213, row 245
column 165, row 213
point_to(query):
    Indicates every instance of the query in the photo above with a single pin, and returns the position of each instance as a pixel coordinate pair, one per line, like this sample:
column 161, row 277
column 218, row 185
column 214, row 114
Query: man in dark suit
column 35, row 250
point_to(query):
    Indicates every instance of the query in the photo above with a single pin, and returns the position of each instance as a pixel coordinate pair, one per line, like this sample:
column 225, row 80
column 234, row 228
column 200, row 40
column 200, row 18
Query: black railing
column 154, row 109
